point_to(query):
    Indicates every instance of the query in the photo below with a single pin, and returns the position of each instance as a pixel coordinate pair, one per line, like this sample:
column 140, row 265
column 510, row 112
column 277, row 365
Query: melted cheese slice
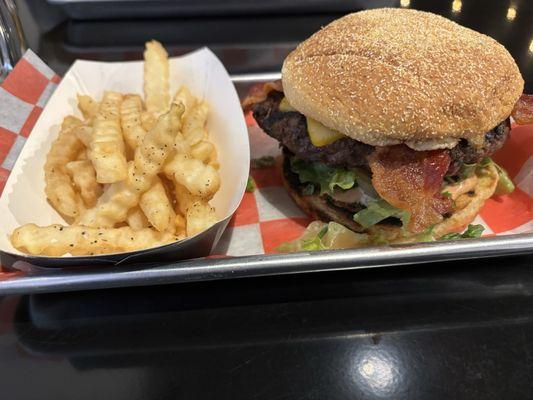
column 321, row 135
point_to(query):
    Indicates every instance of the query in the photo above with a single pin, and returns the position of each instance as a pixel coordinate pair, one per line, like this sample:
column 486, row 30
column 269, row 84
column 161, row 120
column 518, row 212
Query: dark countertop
column 255, row 43
column 458, row 330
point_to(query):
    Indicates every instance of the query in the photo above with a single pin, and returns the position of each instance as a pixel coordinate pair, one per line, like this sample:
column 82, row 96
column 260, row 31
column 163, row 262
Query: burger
column 387, row 119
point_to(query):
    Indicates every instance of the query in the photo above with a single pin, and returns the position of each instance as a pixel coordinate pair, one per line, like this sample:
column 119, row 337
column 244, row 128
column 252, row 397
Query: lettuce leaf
column 473, row 231
column 505, row 184
column 321, row 236
column 250, row 184
column 315, row 243
column 262, row 162
column 377, row 211
column 327, row 178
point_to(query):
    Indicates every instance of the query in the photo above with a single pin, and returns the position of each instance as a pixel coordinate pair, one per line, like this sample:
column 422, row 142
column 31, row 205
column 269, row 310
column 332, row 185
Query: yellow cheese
column 285, row 106
column 477, row 141
column 321, row 135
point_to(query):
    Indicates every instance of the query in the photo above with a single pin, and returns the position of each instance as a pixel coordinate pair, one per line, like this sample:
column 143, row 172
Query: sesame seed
column 407, row 74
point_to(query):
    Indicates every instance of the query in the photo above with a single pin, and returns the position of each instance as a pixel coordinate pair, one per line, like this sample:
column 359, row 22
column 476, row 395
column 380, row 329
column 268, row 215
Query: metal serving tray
column 41, row 280
column 45, row 280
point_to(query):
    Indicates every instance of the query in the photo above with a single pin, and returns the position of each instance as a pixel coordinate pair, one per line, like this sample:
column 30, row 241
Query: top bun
column 389, row 76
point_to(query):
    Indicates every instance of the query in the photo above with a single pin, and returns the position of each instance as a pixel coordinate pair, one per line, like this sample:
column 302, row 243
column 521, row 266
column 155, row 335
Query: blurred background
column 249, row 36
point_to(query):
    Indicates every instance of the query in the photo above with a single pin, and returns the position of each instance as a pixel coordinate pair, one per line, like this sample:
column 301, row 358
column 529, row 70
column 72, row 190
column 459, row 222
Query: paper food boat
column 24, row 201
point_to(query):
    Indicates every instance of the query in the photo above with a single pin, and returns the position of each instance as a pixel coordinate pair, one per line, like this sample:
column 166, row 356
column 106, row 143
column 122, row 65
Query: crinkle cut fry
column 120, row 197
column 136, row 219
column 57, row 240
column 88, row 106
column 157, row 207
column 107, row 150
column 156, row 73
column 84, row 177
column 58, row 185
column 130, row 119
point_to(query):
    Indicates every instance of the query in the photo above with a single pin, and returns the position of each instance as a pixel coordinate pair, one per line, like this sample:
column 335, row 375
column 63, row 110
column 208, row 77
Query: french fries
column 84, row 178
column 82, row 155
column 194, row 125
column 130, row 118
column 136, row 219
column 156, row 88
column 200, row 216
column 56, row 240
column 107, row 151
column 157, row 208
column 185, row 97
column 58, row 186
column 84, row 133
column 131, row 174
column 149, row 158
column 200, row 179
column 184, row 198
column 148, row 120
column 194, row 167
column 204, row 151
column 87, row 106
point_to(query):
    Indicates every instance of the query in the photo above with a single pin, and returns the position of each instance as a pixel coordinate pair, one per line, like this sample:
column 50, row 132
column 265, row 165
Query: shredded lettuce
column 505, row 184
column 250, row 184
column 307, row 239
column 316, row 242
column 467, row 170
column 308, row 189
column 262, row 162
column 327, row 178
column 426, row 236
column 377, row 211
column 473, row 231
column 321, row 236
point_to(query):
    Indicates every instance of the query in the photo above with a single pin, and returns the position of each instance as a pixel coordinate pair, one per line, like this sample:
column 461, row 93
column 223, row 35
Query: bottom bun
column 468, row 195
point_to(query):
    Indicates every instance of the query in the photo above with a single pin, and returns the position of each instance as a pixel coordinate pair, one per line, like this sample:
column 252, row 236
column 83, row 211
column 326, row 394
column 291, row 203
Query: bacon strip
column 411, row 180
column 259, row 93
column 523, row 110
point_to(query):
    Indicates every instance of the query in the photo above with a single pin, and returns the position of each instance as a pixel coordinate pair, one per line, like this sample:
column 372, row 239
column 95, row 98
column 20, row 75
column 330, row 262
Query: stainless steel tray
column 45, row 280
column 41, row 280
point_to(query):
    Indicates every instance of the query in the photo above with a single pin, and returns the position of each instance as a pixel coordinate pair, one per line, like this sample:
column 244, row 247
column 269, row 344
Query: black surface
column 441, row 331
column 461, row 330
column 257, row 43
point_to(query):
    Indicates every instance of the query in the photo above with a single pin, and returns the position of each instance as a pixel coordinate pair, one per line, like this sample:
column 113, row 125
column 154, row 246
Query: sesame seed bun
column 388, row 76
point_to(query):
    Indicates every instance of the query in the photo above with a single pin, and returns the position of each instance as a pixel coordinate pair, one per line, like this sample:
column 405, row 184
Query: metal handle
column 12, row 41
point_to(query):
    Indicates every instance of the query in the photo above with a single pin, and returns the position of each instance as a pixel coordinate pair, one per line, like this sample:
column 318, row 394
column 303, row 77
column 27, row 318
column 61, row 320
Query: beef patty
column 290, row 129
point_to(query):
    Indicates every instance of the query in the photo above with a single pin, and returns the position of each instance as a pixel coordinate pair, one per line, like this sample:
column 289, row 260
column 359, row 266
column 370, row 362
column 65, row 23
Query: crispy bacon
column 259, row 93
column 411, row 180
column 523, row 110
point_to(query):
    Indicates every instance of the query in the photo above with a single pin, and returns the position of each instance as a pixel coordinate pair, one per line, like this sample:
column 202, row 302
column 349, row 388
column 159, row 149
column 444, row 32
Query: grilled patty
column 290, row 129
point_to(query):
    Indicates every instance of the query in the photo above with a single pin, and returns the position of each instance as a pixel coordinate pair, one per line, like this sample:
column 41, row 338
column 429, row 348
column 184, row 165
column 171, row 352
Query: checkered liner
column 267, row 216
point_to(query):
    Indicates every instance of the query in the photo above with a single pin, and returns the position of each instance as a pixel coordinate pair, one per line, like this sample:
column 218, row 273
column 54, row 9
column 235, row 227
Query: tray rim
column 209, row 269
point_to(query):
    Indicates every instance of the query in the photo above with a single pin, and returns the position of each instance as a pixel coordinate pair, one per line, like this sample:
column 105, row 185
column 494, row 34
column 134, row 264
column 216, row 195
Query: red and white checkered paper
column 266, row 217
